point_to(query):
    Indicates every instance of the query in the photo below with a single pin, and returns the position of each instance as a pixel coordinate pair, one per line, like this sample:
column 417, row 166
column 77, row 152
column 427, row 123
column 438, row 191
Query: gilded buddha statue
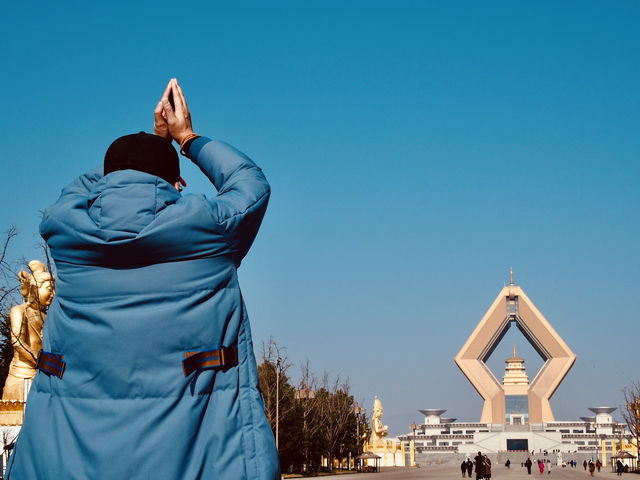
column 389, row 450
column 378, row 430
column 27, row 322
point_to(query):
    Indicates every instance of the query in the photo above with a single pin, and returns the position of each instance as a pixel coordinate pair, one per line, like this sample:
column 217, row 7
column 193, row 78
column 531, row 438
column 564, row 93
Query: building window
column 517, row 444
column 470, row 432
column 517, row 405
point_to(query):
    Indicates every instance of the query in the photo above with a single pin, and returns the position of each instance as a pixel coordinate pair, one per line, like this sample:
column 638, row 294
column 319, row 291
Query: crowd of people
column 482, row 465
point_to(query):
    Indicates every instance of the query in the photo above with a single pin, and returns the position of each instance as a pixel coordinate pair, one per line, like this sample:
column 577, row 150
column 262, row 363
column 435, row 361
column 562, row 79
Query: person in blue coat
column 147, row 369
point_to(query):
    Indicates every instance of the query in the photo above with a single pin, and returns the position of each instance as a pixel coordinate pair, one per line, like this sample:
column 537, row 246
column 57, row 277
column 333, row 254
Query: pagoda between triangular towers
column 515, row 375
column 515, row 400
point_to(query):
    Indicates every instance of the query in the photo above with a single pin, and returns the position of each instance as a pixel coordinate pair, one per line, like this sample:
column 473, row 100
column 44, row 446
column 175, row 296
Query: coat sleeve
column 243, row 192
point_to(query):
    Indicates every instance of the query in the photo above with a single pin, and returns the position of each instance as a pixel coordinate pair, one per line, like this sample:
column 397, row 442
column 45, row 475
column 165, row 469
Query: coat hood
column 124, row 202
column 122, row 218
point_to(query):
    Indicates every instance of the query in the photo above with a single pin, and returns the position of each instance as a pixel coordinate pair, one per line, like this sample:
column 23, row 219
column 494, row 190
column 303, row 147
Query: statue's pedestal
column 390, row 450
column 11, row 419
column 11, row 412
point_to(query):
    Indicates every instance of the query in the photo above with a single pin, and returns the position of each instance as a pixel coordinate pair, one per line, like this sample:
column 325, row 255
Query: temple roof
column 432, row 411
column 602, row 409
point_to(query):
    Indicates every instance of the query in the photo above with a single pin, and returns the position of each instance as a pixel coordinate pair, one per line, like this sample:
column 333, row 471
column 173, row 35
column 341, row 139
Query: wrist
column 185, row 142
column 183, row 135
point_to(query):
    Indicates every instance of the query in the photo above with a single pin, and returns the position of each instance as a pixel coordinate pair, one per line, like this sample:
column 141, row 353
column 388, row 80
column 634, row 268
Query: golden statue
column 27, row 321
column 378, row 430
column 390, row 450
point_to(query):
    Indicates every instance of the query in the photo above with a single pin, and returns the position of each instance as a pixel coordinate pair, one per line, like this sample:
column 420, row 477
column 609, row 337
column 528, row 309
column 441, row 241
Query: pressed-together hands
column 169, row 122
column 173, row 123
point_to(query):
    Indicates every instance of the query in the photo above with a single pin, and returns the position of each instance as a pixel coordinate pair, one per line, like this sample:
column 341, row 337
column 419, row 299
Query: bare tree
column 9, row 295
column 314, row 419
column 281, row 407
column 336, row 414
column 631, row 410
column 271, row 373
column 8, row 276
column 309, row 403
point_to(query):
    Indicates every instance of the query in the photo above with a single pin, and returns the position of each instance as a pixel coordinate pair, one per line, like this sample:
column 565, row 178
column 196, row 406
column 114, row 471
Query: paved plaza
column 450, row 472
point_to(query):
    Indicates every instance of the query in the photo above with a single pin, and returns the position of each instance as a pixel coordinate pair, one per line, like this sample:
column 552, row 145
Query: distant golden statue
column 378, row 430
column 390, row 450
column 27, row 321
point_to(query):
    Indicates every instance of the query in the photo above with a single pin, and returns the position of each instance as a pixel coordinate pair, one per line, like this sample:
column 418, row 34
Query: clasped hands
column 169, row 122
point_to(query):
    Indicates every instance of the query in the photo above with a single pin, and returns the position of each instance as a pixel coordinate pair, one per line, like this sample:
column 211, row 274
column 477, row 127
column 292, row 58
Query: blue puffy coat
column 144, row 275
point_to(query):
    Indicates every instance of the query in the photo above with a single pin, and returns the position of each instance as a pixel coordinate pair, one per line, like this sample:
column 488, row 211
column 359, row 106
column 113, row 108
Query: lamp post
column 595, row 434
column 637, row 422
column 413, row 427
column 277, row 396
column 358, row 410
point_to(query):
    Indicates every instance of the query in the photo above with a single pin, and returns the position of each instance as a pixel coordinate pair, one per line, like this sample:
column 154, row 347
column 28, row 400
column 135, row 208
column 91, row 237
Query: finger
column 168, row 111
column 176, row 100
column 187, row 113
column 166, row 105
column 182, row 99
column 157, row 113
column 168, row 89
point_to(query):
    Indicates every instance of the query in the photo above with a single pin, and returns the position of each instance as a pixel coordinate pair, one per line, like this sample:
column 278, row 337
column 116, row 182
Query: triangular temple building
column 515, row 400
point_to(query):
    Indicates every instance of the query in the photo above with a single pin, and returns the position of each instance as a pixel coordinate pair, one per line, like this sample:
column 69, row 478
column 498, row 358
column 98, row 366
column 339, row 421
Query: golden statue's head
column 377, row 407
column 38, row 287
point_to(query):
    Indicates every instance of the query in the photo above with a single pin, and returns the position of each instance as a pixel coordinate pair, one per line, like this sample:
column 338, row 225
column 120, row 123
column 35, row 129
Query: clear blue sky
column 415, row 150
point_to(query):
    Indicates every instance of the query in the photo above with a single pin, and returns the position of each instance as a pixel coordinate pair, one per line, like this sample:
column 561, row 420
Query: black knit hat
column 144, row 152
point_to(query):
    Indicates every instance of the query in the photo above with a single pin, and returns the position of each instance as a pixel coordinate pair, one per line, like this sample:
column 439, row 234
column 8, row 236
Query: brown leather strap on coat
column 50, row 363
column 224, row 358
